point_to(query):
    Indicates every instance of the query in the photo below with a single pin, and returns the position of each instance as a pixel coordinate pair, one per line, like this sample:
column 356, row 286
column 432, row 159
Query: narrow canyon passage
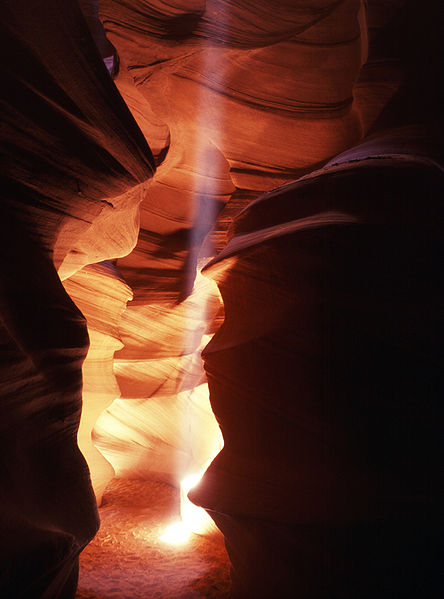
column 128, row 559
column 221, row 242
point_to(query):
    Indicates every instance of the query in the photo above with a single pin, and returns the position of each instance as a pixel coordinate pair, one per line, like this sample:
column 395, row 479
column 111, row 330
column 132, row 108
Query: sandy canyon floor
column 128, row 560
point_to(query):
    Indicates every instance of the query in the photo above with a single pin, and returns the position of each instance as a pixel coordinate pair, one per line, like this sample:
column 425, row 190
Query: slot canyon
column 221, row 293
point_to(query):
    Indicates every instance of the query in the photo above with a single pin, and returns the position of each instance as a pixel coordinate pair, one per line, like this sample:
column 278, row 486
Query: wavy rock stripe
column 101, row 294
column 163, row 426
column 317, row 378
column 73, row 159
column 295, row 80
column 227, row 75
column 330, row 322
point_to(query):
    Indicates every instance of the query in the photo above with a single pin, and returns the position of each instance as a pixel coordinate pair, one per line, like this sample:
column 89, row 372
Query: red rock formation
column 75, row 163
column 227, row 89
column 101, row 294
column 318, row 380
column 325, row 367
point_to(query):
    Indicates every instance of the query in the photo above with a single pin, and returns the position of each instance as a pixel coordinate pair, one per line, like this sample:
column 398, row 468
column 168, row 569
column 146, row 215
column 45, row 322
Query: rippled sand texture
column 128, row 560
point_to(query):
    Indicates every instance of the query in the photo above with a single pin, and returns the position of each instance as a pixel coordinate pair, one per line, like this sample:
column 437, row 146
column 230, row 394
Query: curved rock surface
column 100, row 293
column 244, row 77
column 317, row 378
column 74, row 163
column 326, row 365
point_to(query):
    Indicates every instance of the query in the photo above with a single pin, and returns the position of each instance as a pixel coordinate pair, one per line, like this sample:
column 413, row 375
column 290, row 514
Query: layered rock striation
column 325, row 376
column 249, row 96
column 75, row 163
column 326, row 380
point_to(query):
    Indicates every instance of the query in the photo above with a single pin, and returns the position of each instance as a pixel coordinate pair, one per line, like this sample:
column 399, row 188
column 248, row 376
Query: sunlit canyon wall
column 273, row 175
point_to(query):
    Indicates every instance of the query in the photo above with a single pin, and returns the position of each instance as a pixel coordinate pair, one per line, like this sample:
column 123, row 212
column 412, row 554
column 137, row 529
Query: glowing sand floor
column 127, row 559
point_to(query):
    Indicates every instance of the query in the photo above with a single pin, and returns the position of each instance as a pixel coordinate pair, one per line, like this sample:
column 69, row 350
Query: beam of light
column 205, row 442
column 204, row 436
column 176, row 533
column 194, row 518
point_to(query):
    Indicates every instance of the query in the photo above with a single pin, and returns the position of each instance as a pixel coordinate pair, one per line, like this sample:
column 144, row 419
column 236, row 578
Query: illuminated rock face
column 75, row 164
column 230, row 104
column 303, row 462
column 306, row 374
column 101, row 294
